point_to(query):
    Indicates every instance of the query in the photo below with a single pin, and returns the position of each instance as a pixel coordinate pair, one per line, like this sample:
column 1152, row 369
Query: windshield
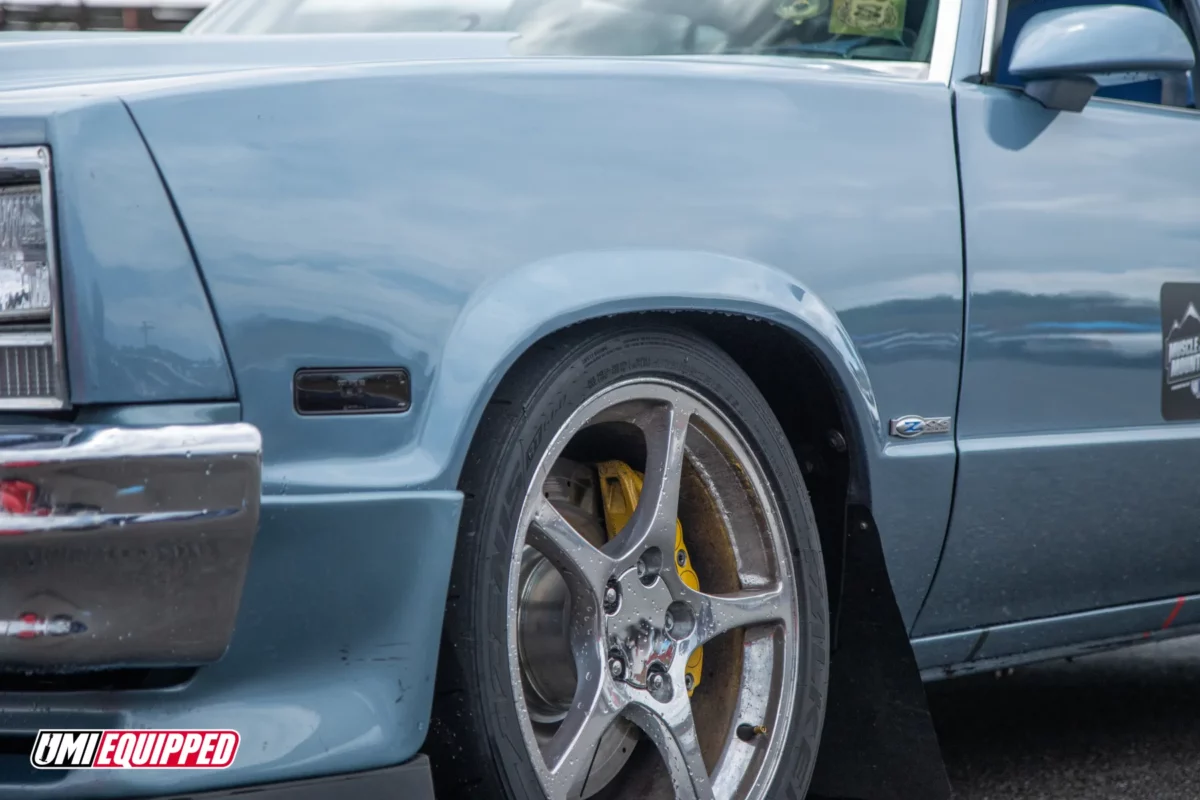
column 897, row 30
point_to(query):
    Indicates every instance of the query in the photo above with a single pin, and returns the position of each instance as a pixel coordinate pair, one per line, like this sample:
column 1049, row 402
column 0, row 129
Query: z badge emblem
column 912, row 427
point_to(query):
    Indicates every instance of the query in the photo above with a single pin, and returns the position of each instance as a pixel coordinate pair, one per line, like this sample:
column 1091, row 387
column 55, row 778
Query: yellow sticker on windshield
column 883, row 19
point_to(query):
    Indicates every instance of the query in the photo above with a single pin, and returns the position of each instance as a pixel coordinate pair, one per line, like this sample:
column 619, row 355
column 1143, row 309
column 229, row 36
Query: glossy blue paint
column 1072, row 493
column 1003, row 646
column 9, row 36
column 160, row 414
column 450, row 245
column 137, row 324
column 1116, row 43
column 332, row 663
column 94, row 57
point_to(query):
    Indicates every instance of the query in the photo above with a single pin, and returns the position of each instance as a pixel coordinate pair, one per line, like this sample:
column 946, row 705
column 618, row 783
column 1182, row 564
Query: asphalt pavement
column 1124, row 724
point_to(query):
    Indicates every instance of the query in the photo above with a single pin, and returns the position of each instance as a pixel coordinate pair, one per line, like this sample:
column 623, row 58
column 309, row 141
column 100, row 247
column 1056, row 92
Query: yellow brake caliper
column 620, row 488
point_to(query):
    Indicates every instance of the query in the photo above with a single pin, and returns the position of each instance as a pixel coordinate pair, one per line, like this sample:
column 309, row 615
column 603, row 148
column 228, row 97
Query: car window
column 1176, row 91
column 892, row 30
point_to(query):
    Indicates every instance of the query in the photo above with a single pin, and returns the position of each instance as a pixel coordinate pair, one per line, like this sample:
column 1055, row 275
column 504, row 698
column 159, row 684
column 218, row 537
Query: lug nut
column 660, row 687
column 616, row 668
column 668, row 622
column 681, row 558
column 689, row 682
column 611, row 596
column 641, row 568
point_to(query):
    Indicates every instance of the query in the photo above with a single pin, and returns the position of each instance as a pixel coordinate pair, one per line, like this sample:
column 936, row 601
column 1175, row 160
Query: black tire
column 475, row 742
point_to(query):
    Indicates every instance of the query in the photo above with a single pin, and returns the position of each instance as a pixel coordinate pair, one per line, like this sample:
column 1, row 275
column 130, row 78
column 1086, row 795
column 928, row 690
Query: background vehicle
column 371, row 16
column 102, row 15
column 626, row 424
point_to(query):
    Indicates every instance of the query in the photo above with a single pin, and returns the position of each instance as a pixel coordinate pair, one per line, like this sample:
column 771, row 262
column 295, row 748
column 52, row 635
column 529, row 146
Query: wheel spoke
column 672, row 728
column 568, row 755
column 719, row 613
column 584, row 568
column 653, row 523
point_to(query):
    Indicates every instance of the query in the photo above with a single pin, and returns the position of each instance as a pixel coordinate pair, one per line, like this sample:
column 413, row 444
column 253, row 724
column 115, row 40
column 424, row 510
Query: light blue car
column 583, row 398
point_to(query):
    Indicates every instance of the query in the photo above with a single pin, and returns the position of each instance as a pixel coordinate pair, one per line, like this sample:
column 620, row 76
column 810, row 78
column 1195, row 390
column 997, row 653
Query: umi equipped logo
column 134, row 749
column 1182, row 354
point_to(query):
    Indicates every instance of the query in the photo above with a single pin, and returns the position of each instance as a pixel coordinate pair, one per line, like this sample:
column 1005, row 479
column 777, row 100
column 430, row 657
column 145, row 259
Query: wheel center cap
column 639, row 631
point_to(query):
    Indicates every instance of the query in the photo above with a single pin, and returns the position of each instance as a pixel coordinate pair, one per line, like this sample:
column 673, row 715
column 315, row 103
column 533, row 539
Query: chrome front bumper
column 122, row 546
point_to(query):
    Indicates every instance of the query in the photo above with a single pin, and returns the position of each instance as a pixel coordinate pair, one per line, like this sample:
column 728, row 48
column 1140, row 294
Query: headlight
column 32, row 373
column 24, row 260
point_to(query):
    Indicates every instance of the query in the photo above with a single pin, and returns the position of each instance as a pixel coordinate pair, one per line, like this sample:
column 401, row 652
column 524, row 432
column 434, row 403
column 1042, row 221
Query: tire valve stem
column 748, row 733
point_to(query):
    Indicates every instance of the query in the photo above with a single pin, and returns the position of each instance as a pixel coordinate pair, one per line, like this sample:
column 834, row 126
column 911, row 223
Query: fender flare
column 507, row 316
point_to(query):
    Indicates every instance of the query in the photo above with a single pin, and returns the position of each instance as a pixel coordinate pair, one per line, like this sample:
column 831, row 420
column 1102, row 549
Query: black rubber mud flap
column 879, row 742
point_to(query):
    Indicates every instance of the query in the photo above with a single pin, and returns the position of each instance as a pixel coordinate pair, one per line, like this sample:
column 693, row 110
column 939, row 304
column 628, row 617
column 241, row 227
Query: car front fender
column 505, row 318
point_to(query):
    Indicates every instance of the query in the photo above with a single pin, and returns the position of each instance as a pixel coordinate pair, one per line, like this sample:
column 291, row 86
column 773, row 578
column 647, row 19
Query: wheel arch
column 762, row 317
column 729, row 299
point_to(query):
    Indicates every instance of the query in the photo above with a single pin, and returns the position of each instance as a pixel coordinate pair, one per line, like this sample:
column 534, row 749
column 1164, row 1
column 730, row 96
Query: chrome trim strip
column 38, row 158
column 989, row 38
column 24, row 315
column 914, row 70
column 30, row 404
column 13, row 525
column 70, row 443
column 26, row 339
column 945, row 37
column 122, row 546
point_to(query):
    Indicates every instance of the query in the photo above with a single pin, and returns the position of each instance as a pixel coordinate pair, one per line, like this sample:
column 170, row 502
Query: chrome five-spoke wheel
column 638, row 607
column 603, row 629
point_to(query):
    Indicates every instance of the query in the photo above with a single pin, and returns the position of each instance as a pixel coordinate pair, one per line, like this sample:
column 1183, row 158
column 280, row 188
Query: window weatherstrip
column 945, row 37
column 991, row 24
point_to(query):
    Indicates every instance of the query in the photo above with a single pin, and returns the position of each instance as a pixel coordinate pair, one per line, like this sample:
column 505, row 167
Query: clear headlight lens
column 24, row 262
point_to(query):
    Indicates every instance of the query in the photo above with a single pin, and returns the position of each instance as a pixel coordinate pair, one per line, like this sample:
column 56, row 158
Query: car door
column 1077, row 486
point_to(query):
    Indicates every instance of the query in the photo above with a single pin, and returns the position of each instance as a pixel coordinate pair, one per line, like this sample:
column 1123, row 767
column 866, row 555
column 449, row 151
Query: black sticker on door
column 1181, row 350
